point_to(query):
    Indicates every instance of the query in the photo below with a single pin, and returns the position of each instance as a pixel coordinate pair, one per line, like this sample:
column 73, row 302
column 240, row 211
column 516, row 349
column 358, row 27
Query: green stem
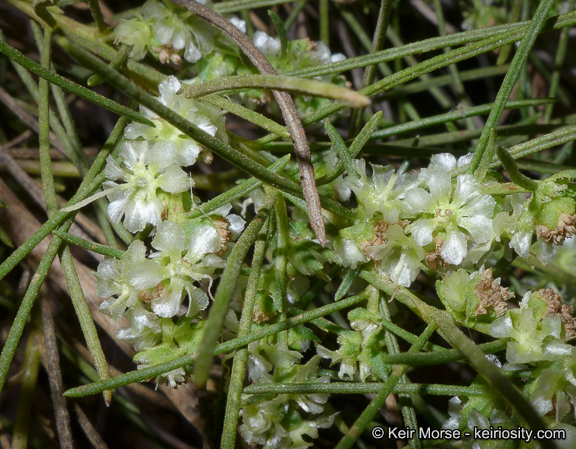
column 355, row 147
column 70, row 86
column 457, row 339
column 370, row 411
column 515, row 176
column 405, row 400
column 452, row 116
column 225, row 292
column 361, row 388
column 241, row 357
column 303, row 86
column 280, row 31
column 341, row 149
column 85, row 318
column 157, row 370
column 88, row 245
column 482, row 151
column 44, row 130
column 97, row 14
column 439, row 357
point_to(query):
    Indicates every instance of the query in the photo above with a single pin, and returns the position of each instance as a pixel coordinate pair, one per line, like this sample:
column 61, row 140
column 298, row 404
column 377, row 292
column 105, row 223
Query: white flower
column 135, row 32
column 115, row 277
column 235, row 222
column 535, row 336
column 192, row 35
column 184, row 260
column 383, row 192
column 264, row 357
column 516, row 222
column 553, row 392
column 168, row 144
column 400, row 256
column 348, row 253
column 450, row 210
column 268, row 45
column 352, row 359
column 145, row 329
column 136, row 197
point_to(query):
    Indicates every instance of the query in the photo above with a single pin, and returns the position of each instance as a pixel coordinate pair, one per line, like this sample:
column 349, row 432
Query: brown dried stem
column 286, row 104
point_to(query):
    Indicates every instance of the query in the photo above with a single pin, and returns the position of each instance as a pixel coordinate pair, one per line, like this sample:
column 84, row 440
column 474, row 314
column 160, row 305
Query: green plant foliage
column 308, row 224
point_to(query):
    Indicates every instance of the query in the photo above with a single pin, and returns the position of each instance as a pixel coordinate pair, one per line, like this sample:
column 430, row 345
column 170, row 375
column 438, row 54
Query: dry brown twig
column 286, row 104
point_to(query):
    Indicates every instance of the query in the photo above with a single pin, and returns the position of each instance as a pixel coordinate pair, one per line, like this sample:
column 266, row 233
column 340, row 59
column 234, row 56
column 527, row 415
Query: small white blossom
column 145, row 329
column 400, row 256
column 383, row 192
column 136, row 196
column 124, row 277
column 185, row 260
column 451, row 210
column 168, row 144
column 190, row 35
column 135, row 32
column 267, row 44
column 534, row 336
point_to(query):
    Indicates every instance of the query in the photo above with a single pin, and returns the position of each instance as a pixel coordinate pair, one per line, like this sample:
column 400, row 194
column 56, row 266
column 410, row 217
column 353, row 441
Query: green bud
column 551, row 211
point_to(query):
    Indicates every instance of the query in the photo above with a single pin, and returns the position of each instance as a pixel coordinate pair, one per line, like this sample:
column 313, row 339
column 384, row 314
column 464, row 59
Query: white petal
column 440, row 184
column 479, row 227
column 521, row 242
column 454, row 248
column 501, row 327
column 443, row 161
column 113, row 170
column 163, row 154
column 116, row 209
column 186, row 152
column 265, row 43
column 146, row 274
column 192, row 53
column 173, row 180
column 179, row 39
column 223, row 211
column 168, row 305
column 421, row 231
column 238, row 23
column 347, row 252
column 140, row 212
column 480, row 205
column 381, row 175
column 465, row 160
column 418, row 200
column 467, row 188
column 198, row 301
column 236, row 225
column 170, row 237
column 203, row 240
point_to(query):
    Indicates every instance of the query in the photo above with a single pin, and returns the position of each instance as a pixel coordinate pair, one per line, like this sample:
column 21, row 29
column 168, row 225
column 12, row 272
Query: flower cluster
column 168, row 31
column 440, row 221
column 283, row 421
column 405, row 223
column 171, row 33
column 163, row 290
